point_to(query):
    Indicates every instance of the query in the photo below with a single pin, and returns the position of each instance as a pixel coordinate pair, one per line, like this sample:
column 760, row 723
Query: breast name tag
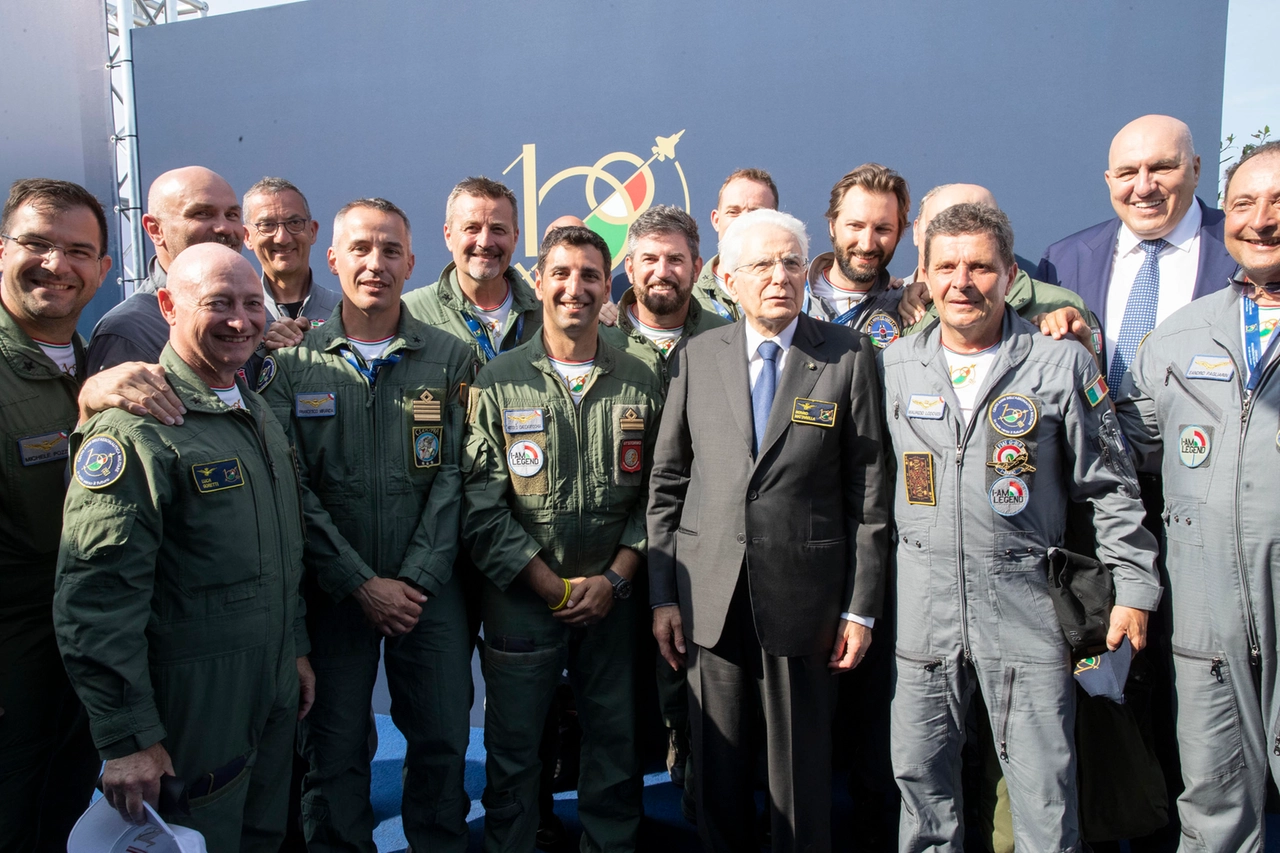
column 216, row 476
column 44, row 448
column 322, row 405
column 930, row 408
column 1216, row 367
column 516, row 421
column 815, row 412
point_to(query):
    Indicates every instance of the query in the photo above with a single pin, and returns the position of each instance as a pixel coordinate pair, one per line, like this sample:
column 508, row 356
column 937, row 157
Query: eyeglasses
column 791, row 265
column 293, row 226
column 45, row 249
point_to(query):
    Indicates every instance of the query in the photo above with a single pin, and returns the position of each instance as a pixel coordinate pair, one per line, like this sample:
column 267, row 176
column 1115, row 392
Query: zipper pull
column 896, row 405
column 1004, row 750
column 968, row 656
column 934, row 664
column 1216, row 669
column 1168, row 371
column 1255, row 656
column 1275, row 749
column 959, row 453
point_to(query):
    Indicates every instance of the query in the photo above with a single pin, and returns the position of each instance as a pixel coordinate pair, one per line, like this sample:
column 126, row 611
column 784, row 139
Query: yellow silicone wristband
column 568, row 590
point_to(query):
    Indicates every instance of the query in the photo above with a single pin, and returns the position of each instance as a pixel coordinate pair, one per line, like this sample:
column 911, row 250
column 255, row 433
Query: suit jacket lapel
column 805, row 363
column 1095, row 271
column 737, row 384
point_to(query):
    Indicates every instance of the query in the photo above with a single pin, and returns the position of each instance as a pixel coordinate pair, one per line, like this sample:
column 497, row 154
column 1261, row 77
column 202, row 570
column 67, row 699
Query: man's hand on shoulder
column 138, row 388
column 914, row 303
column 668, row 630
column 286, row 332
column 609, row 313
column 852, row 642
column 129, row 781
column 392, row 605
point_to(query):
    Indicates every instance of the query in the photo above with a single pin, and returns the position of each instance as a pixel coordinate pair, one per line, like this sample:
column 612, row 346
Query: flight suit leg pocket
column 1209, row 736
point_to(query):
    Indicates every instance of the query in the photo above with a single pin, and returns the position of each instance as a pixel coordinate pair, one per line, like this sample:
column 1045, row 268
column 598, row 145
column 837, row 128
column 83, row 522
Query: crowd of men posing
column 220, row 511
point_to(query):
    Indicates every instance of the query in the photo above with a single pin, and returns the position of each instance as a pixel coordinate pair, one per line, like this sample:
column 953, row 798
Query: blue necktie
column 1139, row 313
column 766, row 385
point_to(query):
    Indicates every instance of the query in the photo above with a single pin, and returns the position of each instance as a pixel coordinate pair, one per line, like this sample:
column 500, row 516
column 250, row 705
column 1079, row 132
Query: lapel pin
column 811, row 365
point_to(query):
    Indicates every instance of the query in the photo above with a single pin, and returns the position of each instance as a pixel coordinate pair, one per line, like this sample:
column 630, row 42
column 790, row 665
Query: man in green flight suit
column 177, row 605
column 743, row 191
column 371, row 402
column 555, row 469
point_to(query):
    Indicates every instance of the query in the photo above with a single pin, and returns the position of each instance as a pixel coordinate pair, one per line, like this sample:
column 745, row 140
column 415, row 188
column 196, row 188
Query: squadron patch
column 1012, row 415
column 928, row 407
column 882, row 329
column 217, row 476
column 1009, row 495
column 51, row 446
column 322, row 405
column 516, row 421
column 1217, row 367
column 816, row 412
column 267, row 373
column 1011, row 458
column 525, row 458
column 631, row 455
column 917, row 476
column 100, row 462
column 1194, row 443
column 426, row 446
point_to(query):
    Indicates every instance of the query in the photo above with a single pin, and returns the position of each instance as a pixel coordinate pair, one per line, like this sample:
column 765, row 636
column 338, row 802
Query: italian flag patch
column 1097, row 391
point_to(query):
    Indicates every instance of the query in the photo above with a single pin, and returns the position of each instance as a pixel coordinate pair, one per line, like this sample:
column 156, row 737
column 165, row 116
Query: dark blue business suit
column 1082, row 262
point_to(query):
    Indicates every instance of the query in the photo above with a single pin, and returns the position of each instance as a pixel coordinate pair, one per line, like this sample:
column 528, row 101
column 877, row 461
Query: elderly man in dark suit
column 768, row 536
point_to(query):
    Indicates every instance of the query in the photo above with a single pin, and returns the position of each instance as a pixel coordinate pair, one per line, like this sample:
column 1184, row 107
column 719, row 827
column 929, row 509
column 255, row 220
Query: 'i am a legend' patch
column 217, row 476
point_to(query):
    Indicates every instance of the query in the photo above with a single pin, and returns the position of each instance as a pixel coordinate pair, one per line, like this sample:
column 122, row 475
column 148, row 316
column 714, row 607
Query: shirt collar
column 1181, row 237
column 782, row 339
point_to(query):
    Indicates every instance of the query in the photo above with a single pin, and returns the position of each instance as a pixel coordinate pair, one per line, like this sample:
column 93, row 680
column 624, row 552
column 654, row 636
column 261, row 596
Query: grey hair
column 736, row 235
column 275, row 186
column 969, row 218
column 1272, row 147
column 663, row 219
column 482, row 187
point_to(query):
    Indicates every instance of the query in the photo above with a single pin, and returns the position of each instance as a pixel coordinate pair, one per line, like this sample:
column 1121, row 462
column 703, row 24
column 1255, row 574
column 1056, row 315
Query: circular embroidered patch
column 1193, row 446
column 883, row 329
column 100, row 462
column 525, row 458
column 1012, row 415
column 1009, row 495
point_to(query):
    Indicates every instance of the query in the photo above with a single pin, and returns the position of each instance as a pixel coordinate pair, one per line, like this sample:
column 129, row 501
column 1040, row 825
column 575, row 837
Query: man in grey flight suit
column 980, row 498
column 1199, row 406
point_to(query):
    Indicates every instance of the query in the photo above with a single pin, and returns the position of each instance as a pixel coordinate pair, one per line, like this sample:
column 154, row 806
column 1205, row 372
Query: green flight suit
column 581, row 495
column 712, row 297
column 177, row 603
column 380, row 462
column 47, row 761
column 443, row 305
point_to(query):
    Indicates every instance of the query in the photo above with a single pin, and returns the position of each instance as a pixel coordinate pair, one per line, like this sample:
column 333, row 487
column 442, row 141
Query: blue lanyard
column 482, row 337
column 370, row 373
column 721, row 309
column 1253, row 351
column 847, row 318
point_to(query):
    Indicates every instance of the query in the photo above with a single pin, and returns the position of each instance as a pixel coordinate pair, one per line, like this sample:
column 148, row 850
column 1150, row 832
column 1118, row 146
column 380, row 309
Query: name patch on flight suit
column 322, row 405
column 100, row 462
column 515, row 421
column 882, row 329
column 929, row 407
column 815, row 412
column 917, row 476
column 1012, row 415
column 1217, row 367
column 217, row 476
column 629, row 422
column 51, row 446
column 1194, row 444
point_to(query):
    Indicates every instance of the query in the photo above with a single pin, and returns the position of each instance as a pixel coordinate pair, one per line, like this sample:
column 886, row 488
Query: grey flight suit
column 1187, row 415
column 977, row 505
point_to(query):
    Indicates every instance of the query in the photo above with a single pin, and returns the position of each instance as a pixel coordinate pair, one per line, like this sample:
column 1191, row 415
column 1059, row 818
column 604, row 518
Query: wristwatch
column 621, row 586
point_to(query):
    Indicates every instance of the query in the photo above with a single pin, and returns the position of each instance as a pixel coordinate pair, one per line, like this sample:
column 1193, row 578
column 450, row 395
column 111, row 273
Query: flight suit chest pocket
column 223, row 497
column 629, row 423
column 528, row 434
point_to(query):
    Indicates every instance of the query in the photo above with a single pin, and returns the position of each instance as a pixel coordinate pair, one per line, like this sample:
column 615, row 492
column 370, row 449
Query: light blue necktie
column 766, row 385
column 1139, row 313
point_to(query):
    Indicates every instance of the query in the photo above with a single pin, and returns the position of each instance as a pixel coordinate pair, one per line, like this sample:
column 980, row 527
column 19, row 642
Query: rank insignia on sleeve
column 631, row 421
column 882, row 329
column 1218, row 367
column 267, row 373
column 322, row 405
column 816, row 412
column 1097, row 391
column 929, row 407
column 217, row 476
column 426, row 446
column 1013, row 415
column 631, row 455
column 49, row 447
column 917, row 476
column 426, row 409
column 516, row 421
column 100, row 462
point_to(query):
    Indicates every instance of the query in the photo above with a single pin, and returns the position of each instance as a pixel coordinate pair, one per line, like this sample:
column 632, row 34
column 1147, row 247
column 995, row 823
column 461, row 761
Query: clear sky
column 1250, row 87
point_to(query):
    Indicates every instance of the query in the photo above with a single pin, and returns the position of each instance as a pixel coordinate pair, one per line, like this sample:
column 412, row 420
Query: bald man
column 185, row 207
column 176, row 604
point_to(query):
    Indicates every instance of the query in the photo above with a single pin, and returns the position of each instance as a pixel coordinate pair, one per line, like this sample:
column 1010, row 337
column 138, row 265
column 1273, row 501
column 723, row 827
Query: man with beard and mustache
column 850, row 286
column 185, row 206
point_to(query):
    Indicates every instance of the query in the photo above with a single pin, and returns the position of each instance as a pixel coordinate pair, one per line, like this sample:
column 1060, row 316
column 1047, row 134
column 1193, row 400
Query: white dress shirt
column 1178, row 262
column 755, row 364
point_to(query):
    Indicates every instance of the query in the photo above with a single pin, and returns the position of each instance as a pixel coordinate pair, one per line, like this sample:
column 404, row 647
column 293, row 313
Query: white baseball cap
column 101, row 829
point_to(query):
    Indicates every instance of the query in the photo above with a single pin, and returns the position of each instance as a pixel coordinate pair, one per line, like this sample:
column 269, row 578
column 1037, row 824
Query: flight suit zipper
column 286, row 625
column 1006, row 710
column 581, row 460
column 378, row 471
